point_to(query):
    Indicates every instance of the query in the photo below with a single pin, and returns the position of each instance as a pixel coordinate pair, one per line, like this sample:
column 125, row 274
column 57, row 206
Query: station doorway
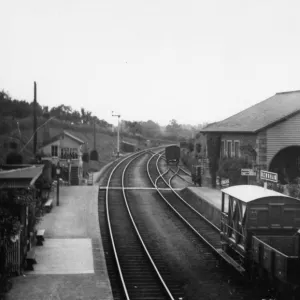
column 287, row 164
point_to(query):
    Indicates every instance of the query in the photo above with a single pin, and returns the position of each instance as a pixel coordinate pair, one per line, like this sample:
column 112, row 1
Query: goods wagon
column 197, row 172
column 127, row 147
column 172, row 154
column 259, row 229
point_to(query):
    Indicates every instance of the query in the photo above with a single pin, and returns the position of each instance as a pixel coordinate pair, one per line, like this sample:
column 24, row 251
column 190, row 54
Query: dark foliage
column 198, row 148
column 191, row 145
column 85, row 157
column 213, row 151
column 14, row 158
column 231, row 168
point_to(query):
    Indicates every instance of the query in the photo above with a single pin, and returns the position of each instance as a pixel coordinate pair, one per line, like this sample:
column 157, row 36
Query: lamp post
column 69, row 161
column 57, row 177
column 118, row 138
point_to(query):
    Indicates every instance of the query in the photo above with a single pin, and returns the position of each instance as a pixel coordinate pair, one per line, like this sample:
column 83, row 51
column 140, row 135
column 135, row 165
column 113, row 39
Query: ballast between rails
column 192, row 208
column 180, row 216
column 133, row 157
column 138, row 234
column 109, row 226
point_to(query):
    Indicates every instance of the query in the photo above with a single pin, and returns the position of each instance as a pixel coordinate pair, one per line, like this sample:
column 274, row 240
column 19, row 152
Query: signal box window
column 54, row 150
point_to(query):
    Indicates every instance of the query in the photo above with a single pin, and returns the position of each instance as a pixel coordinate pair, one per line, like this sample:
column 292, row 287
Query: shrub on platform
column 231, row 168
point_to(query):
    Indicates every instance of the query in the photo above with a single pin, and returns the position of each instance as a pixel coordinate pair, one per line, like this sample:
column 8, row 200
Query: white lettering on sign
column 248, row 172
column 269, row 176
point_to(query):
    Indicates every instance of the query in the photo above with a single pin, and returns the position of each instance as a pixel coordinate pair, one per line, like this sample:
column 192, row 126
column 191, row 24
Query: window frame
column 53, row 151
column 229, row 148
column 239, row 148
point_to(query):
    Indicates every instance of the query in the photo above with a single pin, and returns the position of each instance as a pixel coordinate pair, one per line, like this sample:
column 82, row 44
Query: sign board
column 224, row 182
column 248, row 172
column 269, row 176
column 90, row 179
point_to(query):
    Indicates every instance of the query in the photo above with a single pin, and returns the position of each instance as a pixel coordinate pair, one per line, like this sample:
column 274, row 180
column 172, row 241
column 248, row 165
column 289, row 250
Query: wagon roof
column 248, row 193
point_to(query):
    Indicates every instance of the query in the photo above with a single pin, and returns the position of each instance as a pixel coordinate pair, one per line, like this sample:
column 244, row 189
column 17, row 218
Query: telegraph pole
column 34, row 122
column 95, row 134
column 118, row 138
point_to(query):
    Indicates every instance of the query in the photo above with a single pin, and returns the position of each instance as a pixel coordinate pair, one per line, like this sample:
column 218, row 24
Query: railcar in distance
column 259, row 228
column 172, row 154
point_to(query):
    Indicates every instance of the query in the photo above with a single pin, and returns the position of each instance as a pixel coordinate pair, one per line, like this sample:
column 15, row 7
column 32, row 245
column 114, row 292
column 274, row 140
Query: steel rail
column 109, row 225
column 192, row 208
column 138, row 233
column 180, row 216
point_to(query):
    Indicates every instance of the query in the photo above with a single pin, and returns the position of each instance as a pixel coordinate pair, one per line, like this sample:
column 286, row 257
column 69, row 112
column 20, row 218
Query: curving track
column 201, row 226
column 139, row 275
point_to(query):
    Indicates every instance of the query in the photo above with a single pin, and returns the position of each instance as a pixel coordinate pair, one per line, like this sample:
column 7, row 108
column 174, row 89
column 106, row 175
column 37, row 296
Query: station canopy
column 21, row 177
column 248, row 193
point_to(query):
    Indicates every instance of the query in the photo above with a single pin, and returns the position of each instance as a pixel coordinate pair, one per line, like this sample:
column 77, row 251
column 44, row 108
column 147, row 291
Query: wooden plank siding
column 282, row 135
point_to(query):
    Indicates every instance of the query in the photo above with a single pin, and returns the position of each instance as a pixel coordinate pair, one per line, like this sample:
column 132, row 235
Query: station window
column 229, row 149
column 237, row 148
column 54, row 150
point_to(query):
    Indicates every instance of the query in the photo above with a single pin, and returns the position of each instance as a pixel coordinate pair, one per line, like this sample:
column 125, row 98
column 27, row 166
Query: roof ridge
column 239, row 112
column 287, row 92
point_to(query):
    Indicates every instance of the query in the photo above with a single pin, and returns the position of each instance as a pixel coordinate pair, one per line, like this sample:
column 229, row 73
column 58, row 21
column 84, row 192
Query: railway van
column 172, row 154
column 260, row 231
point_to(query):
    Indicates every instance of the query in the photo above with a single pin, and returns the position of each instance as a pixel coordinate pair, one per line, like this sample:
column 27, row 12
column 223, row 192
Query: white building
column 66, row 149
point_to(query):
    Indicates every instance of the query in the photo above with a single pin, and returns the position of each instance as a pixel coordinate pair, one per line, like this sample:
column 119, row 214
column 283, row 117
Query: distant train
column 260, row 231
column 172, row 154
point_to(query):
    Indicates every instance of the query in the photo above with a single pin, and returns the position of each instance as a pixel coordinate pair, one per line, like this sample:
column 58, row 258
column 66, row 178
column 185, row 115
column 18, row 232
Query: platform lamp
column 57, row 177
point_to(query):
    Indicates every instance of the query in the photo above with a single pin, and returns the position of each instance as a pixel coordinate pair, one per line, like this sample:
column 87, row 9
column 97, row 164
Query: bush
column 85, row 157
column 294, row 188
column 231, row 168
column 277, row 187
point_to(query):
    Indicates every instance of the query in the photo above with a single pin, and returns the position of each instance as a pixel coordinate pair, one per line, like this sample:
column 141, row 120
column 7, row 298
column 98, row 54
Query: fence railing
column 12, row 257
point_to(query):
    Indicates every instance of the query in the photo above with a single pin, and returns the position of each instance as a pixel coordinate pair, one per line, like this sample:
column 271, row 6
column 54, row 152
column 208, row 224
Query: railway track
column 139, row 275
column 201, row 226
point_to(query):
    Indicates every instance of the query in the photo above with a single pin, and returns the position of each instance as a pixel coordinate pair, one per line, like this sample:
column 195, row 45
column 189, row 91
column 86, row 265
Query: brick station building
column 267, row 134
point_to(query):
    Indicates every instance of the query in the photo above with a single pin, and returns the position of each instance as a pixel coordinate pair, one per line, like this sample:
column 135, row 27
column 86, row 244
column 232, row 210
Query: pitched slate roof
column 58, row 136
column 261, row 115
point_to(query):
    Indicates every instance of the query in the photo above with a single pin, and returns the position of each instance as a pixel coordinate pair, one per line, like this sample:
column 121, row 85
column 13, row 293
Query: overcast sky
column 194, row 61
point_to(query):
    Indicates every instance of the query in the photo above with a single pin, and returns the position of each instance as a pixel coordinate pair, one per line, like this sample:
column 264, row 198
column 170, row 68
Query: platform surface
column 71, row 263
column 210, row 195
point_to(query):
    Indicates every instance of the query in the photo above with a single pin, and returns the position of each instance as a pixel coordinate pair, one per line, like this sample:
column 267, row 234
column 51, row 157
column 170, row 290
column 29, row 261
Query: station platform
column 210, row 195
column 71, row 263
column 206, row 200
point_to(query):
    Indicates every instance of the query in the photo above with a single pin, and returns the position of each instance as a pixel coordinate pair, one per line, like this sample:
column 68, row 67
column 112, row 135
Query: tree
column 173, row 128
column 150, row 128
column 14, row 158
